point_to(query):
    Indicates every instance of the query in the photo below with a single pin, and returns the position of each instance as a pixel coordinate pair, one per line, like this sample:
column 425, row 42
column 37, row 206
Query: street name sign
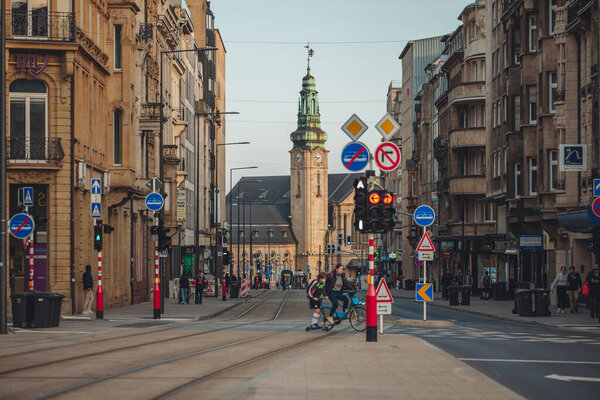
column 383, row 293
column 355, row 156
column 354, row 127
column 424, row 215
column 28, row 196
column 388, row 127
column 21, row 226
column 154, row 201
column 384, row 308
column 424, row 292
column 387, row 156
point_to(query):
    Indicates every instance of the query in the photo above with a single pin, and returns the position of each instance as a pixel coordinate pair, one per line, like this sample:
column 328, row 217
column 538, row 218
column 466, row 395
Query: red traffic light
column 388, row 198
column 374, row 198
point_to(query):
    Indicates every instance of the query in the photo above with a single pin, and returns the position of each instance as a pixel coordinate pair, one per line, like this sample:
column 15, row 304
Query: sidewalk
column 503, row 310
column 211, row 307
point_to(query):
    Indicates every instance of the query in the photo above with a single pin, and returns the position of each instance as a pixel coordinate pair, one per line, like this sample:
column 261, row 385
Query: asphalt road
column 518, row 356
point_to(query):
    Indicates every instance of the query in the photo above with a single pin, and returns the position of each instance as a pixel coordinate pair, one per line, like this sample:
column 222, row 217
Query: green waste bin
column 22, row 309
column 465, row 295
column 542, row 302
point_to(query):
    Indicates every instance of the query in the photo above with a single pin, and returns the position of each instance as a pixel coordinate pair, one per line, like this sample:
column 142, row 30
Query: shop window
column 28, row 120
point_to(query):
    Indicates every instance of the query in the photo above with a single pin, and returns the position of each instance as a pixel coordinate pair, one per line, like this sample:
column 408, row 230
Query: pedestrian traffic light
column 339, row 249
column 348, row 240
column 340, row 239
column 98, row 236
column 225, row 257
column 388, row 211
column 360, row 204
column 374, row 223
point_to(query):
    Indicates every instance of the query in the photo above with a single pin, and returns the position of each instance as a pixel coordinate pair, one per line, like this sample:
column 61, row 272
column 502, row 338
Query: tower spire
column 310, row 54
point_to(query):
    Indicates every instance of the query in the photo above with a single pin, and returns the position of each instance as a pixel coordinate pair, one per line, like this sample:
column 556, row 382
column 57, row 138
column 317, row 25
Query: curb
column 423, row 324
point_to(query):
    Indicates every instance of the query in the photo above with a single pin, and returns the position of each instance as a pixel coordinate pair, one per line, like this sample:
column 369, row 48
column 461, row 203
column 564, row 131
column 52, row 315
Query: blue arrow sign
column 596, row 187
column 154, row 201
column 355, row 156
column 21, row 226
column 96, row 186
column 424, row 215
column 96, row 210
column 28, row 196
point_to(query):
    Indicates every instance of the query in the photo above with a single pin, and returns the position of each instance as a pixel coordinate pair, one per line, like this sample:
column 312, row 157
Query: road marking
column 572, row 378
column 529, row 361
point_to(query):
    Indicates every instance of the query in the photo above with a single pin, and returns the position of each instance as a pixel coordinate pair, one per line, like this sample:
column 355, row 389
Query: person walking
column 88, row 290
column 486, row 284
column 573, row 286
column 184, row 287
column 593, row 280
column 446, row 282
column 560, row 283
column 199, row 288
column 227, row 281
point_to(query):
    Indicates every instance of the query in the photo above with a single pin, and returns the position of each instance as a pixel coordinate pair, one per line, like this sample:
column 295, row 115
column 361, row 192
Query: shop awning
column 581, row 219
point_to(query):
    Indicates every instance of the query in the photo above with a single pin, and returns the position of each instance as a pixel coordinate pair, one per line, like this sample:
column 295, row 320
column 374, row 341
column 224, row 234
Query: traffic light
column 327, row 249
column 388, row 211
column 108, row 228
column 339, row 250
column 360, row 204
column 340, row 239
column 154, row 229
column 98, row 236
column 374, row 222
column 348, row 240
column 164, row 241
column 226, row 257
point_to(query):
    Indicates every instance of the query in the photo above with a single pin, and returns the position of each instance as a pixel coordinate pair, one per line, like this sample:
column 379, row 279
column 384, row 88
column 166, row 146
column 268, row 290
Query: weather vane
column 310, row 52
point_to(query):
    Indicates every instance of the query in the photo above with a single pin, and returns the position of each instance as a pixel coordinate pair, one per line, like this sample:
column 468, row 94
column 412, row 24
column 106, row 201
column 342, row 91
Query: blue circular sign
column 21, row 225
column 355, row 156
column 424, row 215
column 154, row 201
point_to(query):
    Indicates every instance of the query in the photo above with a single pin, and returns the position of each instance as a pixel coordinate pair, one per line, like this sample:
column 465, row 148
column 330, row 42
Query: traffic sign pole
column 30, row 264
column 424, row 281
column 99, row 292
column 371, row 296
column 156, row 285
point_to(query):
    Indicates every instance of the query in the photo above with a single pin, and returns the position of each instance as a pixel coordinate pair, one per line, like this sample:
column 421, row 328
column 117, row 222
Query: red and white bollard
column 224, row 286
column 156, row 285
column 371, row 296
column 99, row 292
column 31, row 265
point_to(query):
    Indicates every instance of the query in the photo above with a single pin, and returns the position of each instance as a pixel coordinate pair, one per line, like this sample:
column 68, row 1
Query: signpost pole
column 99, row 291
column 156, row 285
column 371, row 296
column 31, row 264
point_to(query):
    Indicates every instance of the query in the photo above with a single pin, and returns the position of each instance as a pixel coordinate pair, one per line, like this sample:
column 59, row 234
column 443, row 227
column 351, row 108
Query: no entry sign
column 387, row 156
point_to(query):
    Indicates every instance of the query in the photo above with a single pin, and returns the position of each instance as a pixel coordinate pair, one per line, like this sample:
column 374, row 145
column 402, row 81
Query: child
column 314, row 293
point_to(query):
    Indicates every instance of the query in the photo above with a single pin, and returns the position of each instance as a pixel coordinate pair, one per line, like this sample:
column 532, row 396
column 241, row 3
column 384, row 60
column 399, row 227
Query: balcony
column 40, row 24
column 210, row 37
column 576, row 9
column 467, row 92
column 469, row 184
column 467, row 137
column 20, row 150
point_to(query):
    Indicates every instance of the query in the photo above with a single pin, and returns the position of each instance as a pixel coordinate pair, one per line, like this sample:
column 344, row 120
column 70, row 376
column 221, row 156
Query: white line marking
column 572, row 378
column 529, row 361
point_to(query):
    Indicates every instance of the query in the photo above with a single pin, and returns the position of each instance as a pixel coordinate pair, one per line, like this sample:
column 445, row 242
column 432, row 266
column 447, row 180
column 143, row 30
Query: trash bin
column 55, row 307
column 522, row 285
column 499, row 291
column 234, row 291
column 542, row 302
column 42, row 314
column 408, row 284
column 466, row 295
column 22, row 309
column 453, row 295
column 524, row 305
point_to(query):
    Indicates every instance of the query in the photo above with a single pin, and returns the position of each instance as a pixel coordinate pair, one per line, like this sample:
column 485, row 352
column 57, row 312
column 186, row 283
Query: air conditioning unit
column 80, row 177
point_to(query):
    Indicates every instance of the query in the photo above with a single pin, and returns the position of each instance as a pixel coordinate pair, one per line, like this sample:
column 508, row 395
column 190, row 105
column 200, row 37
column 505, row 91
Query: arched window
column 118, row 137
column 313, row 107
column 28, row 120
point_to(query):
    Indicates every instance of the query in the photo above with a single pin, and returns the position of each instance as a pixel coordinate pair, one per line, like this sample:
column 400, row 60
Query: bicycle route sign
column 355, row 156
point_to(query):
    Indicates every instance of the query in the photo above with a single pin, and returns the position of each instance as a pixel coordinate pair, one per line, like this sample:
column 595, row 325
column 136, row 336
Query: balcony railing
column 34, row 150
column 41, row 24
column 576, row 9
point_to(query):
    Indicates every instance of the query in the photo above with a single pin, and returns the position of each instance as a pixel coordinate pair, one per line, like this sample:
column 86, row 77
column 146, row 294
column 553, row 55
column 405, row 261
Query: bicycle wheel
column 358, row 318
column 324, row 314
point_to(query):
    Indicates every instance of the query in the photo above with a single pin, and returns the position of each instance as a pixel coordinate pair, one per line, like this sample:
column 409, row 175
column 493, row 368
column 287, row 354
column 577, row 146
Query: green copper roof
column 309, row 133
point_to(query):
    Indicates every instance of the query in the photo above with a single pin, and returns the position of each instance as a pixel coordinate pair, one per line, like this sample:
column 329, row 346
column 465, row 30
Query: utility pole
column 3, row 265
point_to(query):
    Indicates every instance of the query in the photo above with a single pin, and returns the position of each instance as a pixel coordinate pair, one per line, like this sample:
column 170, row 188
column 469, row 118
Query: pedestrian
column 227, row 281
column 88, row 290
column 486, row 284
column 184, row 287
column 200, row 285
column 446, row 281
column 314, row 293
column 574, row 284
column 593, row 280
column 561, row 283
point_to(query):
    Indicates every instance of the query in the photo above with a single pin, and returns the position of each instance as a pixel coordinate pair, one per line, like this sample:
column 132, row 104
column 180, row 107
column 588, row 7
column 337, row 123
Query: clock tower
column 309, row 177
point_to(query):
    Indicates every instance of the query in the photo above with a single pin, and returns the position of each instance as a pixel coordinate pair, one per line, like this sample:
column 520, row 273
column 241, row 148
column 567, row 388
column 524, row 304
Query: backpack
column 486, row 282
column 585, row 289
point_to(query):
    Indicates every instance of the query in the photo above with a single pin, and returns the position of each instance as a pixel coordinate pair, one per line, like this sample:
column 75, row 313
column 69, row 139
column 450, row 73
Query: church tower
column 308, row 178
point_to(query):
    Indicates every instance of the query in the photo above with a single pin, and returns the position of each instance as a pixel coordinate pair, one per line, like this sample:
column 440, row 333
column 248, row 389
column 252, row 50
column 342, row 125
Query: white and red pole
column 31, row 264
column 156, row 284
column 371, row 297
column 99, row 292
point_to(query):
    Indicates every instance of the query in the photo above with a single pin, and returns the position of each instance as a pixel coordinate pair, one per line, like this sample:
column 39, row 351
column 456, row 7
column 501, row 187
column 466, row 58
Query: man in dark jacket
column 88, row 290
column 199, row 289
column 446, row 281
column 184, row 287
column 335, row 285
column 593, row 280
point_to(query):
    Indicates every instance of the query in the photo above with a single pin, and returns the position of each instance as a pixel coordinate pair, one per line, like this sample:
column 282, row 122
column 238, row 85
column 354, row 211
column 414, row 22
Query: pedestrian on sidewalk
column 184, row 287
column 593, row 280
column 574, row 284
column 486, row 284
column 446, row 282
column 561, row 283
column 199, row 289
column 88, row 290
column 227, row 281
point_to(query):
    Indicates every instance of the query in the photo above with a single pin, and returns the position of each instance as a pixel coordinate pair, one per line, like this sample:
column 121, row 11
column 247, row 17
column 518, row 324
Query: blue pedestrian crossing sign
column 28, row 196
column 21, row 225
column 596, row 187
column 424, row 292
column 355, row 156
column 96, row 210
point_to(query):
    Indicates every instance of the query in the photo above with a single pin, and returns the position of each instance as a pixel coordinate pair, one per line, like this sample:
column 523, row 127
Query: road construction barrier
column 245, row 290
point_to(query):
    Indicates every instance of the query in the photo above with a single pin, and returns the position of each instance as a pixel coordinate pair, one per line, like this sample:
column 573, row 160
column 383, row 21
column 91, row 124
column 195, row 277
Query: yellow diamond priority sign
column 388, row 127
column 354, row 127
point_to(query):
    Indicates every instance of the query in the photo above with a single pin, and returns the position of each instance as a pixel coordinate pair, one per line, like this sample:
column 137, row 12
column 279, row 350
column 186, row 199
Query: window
column 505, row 108
column 462, row 165
column 118, row 137
column 552, row 169
column 474, row 66
column 505, row 161
column 532, row 35
column 462, row 118
column 532, row 166
column 313, row 107
column 118, row 49
column 488, row 212
column 495, row 172
column 551, row 16
column 494, row 14
column 499, row 163
column 516, row 46
column 518, row 180
column 532, row 103
column 29, row 17
column 504, row 52
column 28, row 120
column 483, row 69
column 552, row 86
column 517, row 112
column 494, row 115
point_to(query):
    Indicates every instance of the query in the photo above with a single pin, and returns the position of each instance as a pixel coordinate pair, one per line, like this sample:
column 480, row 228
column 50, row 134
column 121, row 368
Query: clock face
column 298, row 158
column 318, row 158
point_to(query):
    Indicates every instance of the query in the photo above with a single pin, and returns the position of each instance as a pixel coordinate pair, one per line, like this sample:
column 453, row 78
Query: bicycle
column 356, row 314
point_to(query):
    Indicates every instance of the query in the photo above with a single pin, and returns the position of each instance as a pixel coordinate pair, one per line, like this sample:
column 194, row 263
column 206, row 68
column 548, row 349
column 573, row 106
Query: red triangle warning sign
column 383, row 293
column 425, row 244
column 208, row 289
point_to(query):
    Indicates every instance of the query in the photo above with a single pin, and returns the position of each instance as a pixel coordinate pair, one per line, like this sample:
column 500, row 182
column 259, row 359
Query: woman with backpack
column 486, row 284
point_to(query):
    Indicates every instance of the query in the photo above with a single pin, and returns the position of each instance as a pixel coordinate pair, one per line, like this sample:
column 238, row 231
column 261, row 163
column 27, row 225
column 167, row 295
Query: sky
column 356, row 47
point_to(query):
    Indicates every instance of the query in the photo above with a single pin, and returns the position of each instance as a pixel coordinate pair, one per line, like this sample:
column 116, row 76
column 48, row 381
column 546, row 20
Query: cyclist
column 335, row 285
column 314, row 293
